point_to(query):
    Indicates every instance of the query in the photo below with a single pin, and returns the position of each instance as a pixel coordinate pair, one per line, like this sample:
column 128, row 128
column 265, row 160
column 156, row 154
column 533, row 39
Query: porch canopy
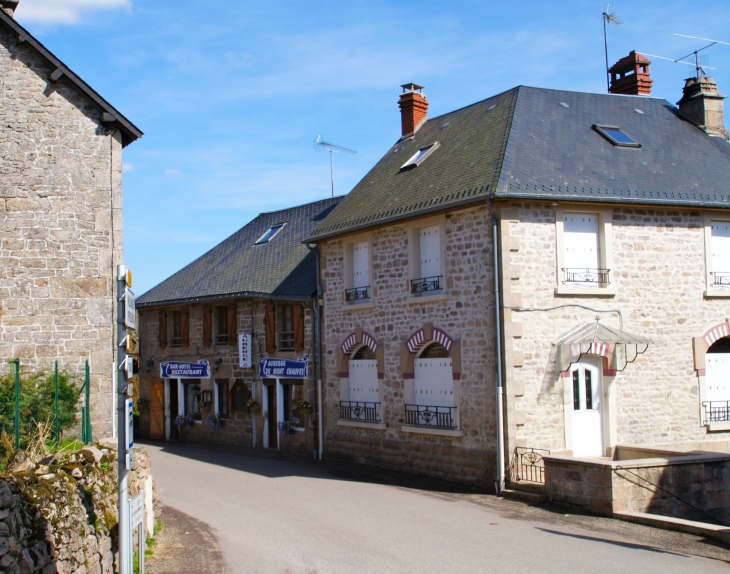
column 620, row 347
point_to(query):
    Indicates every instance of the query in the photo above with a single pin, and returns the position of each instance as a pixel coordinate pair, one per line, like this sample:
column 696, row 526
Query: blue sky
column 232, row 93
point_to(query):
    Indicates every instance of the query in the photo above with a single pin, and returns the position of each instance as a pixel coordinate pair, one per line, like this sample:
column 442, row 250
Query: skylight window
column 420, row 156
column 269, row 235
column 616, row 136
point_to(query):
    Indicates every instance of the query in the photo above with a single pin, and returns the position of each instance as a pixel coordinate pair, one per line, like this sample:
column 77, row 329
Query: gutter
column 499, row 483
column 318, row 414
column 240, row 295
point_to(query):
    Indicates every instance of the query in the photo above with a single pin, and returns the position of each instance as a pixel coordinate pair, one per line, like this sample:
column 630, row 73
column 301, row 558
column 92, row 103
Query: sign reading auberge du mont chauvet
column 283, row 368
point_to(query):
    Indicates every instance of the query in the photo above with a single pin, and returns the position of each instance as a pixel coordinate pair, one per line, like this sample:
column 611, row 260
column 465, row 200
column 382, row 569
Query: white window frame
column 710, row 291
column 216, row 394
column 414, row 258
column 348, row 270
column 605, row 232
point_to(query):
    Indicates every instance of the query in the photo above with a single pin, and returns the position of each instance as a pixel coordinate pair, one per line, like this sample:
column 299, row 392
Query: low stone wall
column 60, row 516
column 682, row 485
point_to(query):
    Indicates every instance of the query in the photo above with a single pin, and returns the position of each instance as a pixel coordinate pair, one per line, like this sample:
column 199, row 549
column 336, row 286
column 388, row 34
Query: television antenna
column 321, row 145
column 699, row 69
column 609, row 18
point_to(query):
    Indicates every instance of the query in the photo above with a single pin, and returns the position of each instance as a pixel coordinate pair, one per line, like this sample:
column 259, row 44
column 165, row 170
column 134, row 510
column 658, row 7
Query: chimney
column 9, row 6
column 702, row 104
column 630, row 75
column 413, row 108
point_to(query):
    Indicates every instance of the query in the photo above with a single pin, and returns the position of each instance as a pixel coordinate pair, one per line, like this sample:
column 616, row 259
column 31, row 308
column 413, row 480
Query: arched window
column 360, row 373
column 433, row 386
column 717, row 381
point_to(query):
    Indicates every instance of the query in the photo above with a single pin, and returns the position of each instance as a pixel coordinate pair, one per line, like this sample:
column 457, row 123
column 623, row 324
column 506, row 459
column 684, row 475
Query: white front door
column 586, row 380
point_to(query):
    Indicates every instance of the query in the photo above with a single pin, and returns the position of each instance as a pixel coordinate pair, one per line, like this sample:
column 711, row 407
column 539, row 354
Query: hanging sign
column 137, row 509
column 244, row 350
column 283, row 368
column 130, row 310
column 129, row 416
column 181, row 370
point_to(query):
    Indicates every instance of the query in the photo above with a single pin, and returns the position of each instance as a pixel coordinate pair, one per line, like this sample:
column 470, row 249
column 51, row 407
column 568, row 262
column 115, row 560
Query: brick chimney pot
column 413, row 108
column 630, row 75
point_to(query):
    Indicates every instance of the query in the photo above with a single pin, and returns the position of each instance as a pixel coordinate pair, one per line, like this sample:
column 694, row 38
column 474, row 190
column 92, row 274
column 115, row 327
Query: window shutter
column 430, row 248
column 185, row 327
column 721, row 247
column 207, row 326
column 360, row 265
column 232, row 328
column 270, row 328
column 298, row 328
column 580, row 238
column 163, row 329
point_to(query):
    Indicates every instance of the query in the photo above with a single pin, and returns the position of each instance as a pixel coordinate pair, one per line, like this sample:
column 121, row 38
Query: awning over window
column 595, row 338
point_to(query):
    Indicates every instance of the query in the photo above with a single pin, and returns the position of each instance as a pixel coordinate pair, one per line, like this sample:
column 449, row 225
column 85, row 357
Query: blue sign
column 283, row 368
column 180, row 370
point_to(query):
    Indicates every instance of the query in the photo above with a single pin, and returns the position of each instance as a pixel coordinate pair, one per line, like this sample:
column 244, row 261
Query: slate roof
column 129, row 131
column 524, row 143
column 283, row 268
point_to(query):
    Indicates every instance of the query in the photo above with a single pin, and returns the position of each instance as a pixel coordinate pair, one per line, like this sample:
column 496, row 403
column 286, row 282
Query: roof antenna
column 321, row 145
column 699, row 69
column 608, row 19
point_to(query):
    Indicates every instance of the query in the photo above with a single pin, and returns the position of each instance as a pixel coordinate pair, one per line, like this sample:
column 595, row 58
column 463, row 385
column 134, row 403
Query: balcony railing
column 426, row 284
column 717, row 411
column 428, row 416
column 587, row 277
column 527, row 465
column 357, row 294
column 360, row 411
column 286, row 341
column 721, row 279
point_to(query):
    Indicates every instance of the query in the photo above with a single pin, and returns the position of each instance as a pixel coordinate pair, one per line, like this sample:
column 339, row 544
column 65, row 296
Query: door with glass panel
column 587, row 414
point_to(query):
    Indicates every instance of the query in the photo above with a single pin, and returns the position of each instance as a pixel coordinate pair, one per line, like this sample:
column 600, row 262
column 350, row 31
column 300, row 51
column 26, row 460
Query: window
column 616, row 136
column 435, row 402
column 286, row 335
column 239, row 396
column 430, row 274
column 175, row 329
column 583, row 253
column 293, row 393
column 360, row 272
column 720, row 258
column 221, row 325
column 191, row 398
column 269, row 235
column 420, row 156
column 221, row 398
column 364, row 397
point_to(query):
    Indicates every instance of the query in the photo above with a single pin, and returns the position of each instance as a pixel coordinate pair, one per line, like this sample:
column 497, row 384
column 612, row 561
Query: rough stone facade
column 464, row 311
column 659, row 277
column 60, row 224
column 238, row 428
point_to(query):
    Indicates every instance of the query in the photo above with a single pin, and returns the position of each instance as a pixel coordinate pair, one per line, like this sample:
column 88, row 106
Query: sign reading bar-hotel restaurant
column 181, row 370
column 283, row 368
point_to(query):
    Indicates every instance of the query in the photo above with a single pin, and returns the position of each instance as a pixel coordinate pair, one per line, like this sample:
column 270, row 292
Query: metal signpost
column 136, row 511
column 126, row 440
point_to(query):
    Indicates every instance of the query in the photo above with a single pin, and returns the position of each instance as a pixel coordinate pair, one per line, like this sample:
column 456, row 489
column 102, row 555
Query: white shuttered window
column 581, row 247
column 721, row 254
column 363, row 375
column 360, row 265
column 430, row 250
column 434, row 382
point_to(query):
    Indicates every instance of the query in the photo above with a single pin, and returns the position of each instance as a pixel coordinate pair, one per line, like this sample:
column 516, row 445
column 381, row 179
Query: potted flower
column 305, row 407
column 183, row 423
column 284, row 428
column 214, row 421
column 253, row 406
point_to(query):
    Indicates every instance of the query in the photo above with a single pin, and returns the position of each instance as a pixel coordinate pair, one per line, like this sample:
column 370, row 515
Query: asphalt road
column 297, row 516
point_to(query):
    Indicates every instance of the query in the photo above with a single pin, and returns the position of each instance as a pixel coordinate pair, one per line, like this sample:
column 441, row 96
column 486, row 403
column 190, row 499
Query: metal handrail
column 720, row 278
column 360, row 411
column 586, row 275
column 527, row 465
column 425, row 284
column 716, row 411
column 430, row 416
column 357, row 293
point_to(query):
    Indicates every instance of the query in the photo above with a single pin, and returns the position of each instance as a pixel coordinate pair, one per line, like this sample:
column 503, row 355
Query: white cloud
column 63, row 11
column 172, row 171
column 127, row 167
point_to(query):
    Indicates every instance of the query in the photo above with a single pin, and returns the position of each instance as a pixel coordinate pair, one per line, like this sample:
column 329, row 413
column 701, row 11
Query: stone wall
column 60, row 516
column 465, row 313
column 238, row 428
column 659, row 274
column 60, row 224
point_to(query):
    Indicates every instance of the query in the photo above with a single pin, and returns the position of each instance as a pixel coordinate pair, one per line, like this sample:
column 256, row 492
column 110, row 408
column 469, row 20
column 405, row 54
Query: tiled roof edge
column 239, row 295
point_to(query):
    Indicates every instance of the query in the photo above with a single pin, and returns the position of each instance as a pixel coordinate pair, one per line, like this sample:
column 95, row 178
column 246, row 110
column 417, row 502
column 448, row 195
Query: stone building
column 610, row 218
column 250, row 297
column 60, row 214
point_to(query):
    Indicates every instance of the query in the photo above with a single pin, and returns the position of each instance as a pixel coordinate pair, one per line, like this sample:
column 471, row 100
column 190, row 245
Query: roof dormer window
column 269, row 235
column 420, row 156
column 616, row 136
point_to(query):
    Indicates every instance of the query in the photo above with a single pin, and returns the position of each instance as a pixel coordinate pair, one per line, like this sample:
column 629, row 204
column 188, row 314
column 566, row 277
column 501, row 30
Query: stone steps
column 533, row 498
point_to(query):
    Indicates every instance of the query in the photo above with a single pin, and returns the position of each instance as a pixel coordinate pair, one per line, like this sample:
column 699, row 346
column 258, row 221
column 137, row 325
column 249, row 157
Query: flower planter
column 305, row 411
column 255, row 409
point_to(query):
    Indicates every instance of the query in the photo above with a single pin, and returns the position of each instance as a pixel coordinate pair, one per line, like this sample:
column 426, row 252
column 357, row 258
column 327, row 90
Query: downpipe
column 318, row 412
column 499, row 483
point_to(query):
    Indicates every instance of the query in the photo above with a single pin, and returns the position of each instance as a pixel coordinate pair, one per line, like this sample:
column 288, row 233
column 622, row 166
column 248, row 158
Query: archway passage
column 717, row 381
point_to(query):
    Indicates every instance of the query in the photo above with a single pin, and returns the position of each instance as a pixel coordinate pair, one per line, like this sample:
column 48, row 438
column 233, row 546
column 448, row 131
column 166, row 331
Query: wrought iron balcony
column 357, row 294
column 717, row 411
column 721, row 279
column 426, row 284
column 433, row 417
column 360, row 411
column 591, row 277
column 527, row 465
